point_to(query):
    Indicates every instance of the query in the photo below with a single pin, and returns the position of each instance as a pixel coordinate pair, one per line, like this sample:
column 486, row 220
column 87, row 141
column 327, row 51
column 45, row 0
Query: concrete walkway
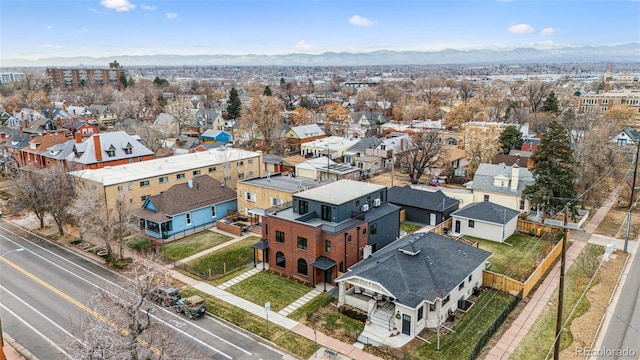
column 510, row 340
column 298, row 303
column 238, row 278
column 215, row 248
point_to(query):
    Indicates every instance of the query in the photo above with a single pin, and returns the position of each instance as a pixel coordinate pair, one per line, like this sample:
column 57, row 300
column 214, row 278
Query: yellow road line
column 77, row 303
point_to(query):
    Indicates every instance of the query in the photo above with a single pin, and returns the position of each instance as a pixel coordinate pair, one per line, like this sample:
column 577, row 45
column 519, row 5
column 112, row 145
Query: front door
column 457, row 227
column 406, row 324
column 432, row 219
column 327, row 276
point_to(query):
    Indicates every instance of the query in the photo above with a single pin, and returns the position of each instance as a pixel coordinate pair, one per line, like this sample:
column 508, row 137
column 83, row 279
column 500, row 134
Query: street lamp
column 2, row 356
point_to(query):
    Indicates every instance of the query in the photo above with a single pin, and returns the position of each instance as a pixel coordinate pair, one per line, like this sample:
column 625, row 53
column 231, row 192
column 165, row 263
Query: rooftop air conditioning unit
column 364, row 208
column 376, row 202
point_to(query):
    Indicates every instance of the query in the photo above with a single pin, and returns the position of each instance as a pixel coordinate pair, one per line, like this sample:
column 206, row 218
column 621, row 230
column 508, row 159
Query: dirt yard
column 614, row 224
column 385, row 179
column 584, row 328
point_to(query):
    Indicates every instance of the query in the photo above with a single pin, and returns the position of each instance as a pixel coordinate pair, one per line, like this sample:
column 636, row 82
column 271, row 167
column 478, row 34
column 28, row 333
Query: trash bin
column 165, row 235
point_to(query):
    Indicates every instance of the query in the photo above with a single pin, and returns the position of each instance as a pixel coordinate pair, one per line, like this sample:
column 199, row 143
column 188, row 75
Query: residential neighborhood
column 345, row 212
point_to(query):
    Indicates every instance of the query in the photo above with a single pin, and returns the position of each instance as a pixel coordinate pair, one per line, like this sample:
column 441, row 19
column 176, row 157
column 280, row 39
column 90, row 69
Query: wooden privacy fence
column 515, row 287
column 531, row 228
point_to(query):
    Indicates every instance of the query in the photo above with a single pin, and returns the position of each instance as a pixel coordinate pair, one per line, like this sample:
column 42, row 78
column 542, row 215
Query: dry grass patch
column 614, row 224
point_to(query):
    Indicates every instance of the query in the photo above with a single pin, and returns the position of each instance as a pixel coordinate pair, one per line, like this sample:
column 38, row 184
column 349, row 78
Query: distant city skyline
column 35, row 29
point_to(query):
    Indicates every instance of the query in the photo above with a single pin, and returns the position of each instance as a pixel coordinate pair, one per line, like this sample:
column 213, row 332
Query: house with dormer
column 107, row 149
column 34, row 153
column 503, row 185
column 104, row 114
column 411, row 285
column 324, row 230
column 368, row 118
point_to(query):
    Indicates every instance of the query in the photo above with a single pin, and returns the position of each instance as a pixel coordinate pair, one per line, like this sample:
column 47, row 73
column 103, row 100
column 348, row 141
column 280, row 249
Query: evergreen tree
column 553, row 171
column 267, row 91
column 123, row 80
column 160, row 82
column 551, row 104
column 234, row 106
column 510, row 139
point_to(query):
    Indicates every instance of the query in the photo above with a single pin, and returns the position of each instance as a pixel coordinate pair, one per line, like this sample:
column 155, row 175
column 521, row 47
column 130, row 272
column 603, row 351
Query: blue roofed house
column 211, row 136
column 186, row 208
column 412, row 284
column 485, row 220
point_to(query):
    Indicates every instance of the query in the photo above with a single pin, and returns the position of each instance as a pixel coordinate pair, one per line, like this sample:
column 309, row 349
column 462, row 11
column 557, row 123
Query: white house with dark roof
column 485, row 220
column 503, row 185
column 412, row 284
column 107, row 149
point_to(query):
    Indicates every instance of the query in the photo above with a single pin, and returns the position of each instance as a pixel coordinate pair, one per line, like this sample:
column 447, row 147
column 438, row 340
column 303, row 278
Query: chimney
column 25, row 123
column 96, row 145
column 515, row 176
column 366, row 251
column 78, row 137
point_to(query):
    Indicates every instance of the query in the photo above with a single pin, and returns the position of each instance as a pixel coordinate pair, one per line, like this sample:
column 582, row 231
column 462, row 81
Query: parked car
column 192, row 307
column 164, row 295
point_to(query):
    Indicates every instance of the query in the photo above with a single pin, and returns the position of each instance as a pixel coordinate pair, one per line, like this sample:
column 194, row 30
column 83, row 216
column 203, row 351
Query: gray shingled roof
column 421, row 199
column 307, row 131
column 483, row 178
column 116, row 140
column 371, row 142
column 438, row 266
column 180, row 198
column 488, row 212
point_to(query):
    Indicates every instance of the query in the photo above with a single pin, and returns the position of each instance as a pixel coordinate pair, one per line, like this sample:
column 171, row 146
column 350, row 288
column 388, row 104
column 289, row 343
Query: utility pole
column 556, row 351
column 633, row 187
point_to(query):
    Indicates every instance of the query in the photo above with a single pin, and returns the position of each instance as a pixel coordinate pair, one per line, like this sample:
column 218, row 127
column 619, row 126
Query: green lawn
column 518, row 260
column 305, row 311
column 409, row 228
column 539, row 339
column 234, row 256
column 193, row 244
column 265, row 286
column 468, row 330
column 290, row 341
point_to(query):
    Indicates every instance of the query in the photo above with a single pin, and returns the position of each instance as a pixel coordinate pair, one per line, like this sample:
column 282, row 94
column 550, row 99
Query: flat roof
column 340, row 192
column 119, row 174
column 282, row 183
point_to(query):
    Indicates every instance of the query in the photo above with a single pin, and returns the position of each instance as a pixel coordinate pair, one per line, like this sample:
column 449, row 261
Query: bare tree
column 535, row 92
column 60, row 192
column 265, row 115
column 32, row 90
column 152, row 135
column 465, row 90
column 30, row 194
column 180, row 109
column 421, row 156
column 123, row 324
column 108, row 224
column 482, row 146
column 431, row 90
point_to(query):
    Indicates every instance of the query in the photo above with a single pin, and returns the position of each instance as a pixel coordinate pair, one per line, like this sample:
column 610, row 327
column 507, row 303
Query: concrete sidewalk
column 510, row 340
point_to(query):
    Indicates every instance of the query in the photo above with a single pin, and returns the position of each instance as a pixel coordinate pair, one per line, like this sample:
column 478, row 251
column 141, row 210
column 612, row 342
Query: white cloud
column 83, row 30
column 547, row 31
column 147, row 7
column 302, row 45
column 94, row 11
column 521, row 29
column 118, row 5
column 358, row 20
column 171, row 15
column 49, row 27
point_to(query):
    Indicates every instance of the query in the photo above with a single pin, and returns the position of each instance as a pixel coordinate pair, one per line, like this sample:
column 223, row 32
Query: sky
column 36, row 29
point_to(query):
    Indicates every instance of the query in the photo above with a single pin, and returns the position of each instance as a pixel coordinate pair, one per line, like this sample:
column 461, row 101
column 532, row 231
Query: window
column 302, row 243
column 196, row 172
column 139, row 158
column 144, row 198
column 280, row 236
column 227, row 178
column 111, row 151
column 119, row 187
column 144, row 183
column 240, row 176
column 486, row 198
column 341, row 266
column 420, row 313
column 302, row 266
column 164, row 179
column 180, row 176
column 381, row 196
column 521, row 204
column 373, row 228
column 280, row 260
column 327, row 246
column 472, row 223
column 303, row 207
column 275, row 202
column 127, row 150
column 250, row 161
column 213, row 211
column 326, row 212
column 605, row 101
column 188, row 218
column 250, row 173
column 212, row 169
column 240, row 163
column 358, row 204
column 226, row 166
column 251, row 197
column 432, row 307
column 348, row 237
column 446, row 300
column 470, row 277
column 461, row 286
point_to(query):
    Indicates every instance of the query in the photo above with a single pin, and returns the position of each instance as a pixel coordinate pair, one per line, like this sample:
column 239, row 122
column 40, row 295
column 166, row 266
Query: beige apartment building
column 601, row 103
column 138, row 181
column 257, row 195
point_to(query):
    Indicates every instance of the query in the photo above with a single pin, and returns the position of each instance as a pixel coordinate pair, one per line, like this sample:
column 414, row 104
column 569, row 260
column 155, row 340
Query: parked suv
column 164, row 295
column 192, row 307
